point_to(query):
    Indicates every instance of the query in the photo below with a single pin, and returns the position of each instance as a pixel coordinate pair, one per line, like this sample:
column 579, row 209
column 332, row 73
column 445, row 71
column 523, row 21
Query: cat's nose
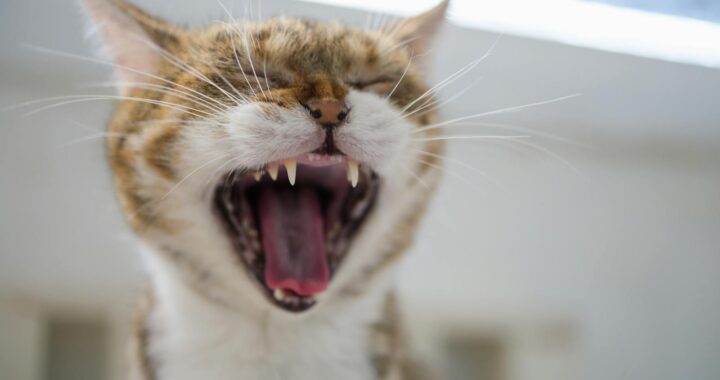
column 329, row 113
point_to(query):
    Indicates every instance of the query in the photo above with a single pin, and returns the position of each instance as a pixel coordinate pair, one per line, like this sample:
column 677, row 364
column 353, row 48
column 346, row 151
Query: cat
column 274, row 173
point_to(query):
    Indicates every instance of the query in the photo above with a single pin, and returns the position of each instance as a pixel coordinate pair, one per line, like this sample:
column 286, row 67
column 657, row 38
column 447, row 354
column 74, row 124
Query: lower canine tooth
column 279, row 295
column 273, row 171
column 353, row 172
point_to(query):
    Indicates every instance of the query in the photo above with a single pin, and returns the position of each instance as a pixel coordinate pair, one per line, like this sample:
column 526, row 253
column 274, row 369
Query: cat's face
column 277, row 164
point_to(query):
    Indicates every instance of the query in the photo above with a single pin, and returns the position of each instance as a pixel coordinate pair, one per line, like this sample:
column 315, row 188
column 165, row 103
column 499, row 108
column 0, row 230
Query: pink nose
column 327, row 112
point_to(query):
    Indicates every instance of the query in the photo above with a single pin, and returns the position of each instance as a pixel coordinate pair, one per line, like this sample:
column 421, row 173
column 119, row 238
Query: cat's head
column 278, row 164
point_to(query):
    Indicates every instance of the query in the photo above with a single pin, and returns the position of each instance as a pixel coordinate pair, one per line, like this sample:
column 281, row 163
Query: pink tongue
column 292, row 235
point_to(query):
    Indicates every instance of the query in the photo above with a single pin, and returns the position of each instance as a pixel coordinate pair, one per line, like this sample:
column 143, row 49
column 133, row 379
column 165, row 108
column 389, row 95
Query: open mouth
column 291, row 223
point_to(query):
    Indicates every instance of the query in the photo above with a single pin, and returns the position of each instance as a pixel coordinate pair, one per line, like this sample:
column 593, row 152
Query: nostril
column 327, row 111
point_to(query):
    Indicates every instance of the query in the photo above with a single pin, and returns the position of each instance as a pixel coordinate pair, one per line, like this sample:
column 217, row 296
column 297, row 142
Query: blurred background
column 592, row 251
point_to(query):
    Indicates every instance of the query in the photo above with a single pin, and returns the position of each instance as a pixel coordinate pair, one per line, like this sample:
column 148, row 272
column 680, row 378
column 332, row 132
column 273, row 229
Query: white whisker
column 267, row 83
column 471, row 137
column 88, row 138
column 218, row 172
column 495, row 112
column 446, row 170
column 401, row 78
column 164, row 90
column 453, row 77
column 127, row 68
column 399, row 45
column 234, row 29
column 432, row 106
column 420, row 180
column 247, row 48
column 242, row 97
column 200, row 122
column 87, row 98
column 510, row 127
column 459, row 163
column 252, row 66
column 192, row 70
column 549, row 153
column 175, row 187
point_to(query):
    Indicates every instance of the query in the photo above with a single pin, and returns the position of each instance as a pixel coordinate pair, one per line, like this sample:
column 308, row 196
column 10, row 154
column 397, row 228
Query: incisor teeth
column 291, row 166
column 273, row 171
column 258, row 175
column 353, row 172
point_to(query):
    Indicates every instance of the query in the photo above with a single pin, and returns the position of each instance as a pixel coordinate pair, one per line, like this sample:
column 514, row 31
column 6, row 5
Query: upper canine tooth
column 353, row 172
column 258, row 175
column 273, row 171
column 291, row 166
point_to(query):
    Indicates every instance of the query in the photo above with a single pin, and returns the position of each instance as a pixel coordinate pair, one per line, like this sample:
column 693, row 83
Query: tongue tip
column 303, row 288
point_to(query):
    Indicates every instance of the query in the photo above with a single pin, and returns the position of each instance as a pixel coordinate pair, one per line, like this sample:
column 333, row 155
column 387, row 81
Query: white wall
column 21, row 341
column 619, row 257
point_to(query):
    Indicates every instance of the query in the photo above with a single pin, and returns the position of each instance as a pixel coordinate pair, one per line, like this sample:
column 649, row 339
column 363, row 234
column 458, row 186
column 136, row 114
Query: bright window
column 708, row 10
column 669, row 35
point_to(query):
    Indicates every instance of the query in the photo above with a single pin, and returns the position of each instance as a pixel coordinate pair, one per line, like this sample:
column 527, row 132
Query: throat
column 292, row 228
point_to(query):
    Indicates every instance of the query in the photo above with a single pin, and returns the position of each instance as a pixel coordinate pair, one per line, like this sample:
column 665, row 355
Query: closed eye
column 272, row 80
column 368, row 83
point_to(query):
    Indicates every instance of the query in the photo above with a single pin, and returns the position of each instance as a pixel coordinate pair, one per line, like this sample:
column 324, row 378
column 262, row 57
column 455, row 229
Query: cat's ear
column 134, row 39
column 418, row 32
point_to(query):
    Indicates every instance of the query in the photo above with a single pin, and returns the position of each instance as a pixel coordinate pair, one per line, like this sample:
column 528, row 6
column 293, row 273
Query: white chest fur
column 193, row 338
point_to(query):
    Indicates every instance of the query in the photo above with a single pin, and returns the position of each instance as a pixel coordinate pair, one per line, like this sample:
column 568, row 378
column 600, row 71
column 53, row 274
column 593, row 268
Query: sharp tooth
column 353, row 172
column 258, row 175
column 273, row 170
column 307, row 300
column 279, row 295
column 291, row 166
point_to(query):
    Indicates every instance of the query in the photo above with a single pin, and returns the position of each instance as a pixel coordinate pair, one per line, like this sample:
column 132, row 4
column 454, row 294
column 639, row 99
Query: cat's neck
column 192, row 337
